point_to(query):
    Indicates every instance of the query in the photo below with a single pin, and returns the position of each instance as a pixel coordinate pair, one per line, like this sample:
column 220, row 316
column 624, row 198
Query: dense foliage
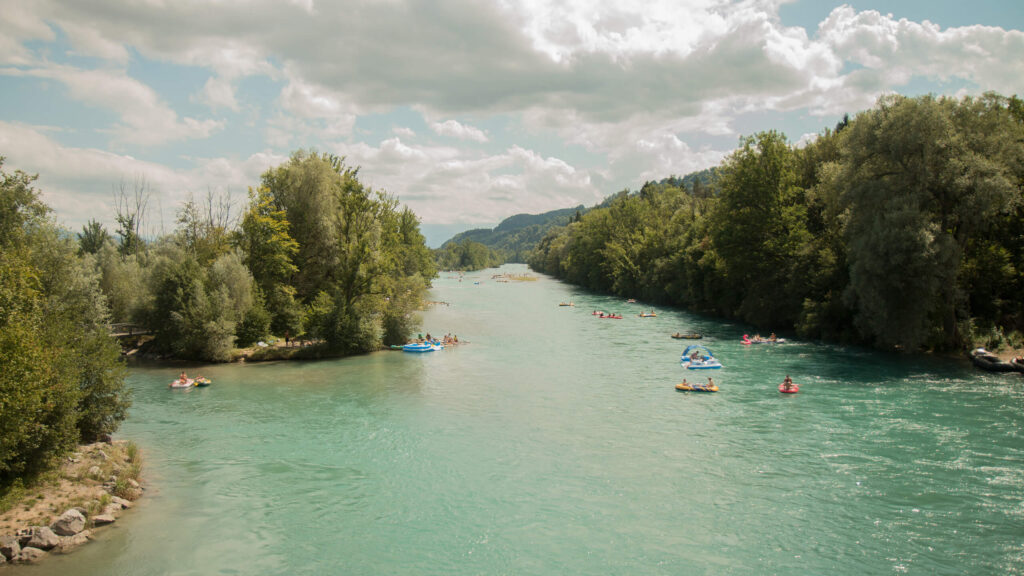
column 316, row 255
column 900, row 228
column 510, row 241
column 61, row 378
column 467, row 256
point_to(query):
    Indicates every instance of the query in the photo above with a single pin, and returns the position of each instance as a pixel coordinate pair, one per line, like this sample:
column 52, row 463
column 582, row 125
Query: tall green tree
column 61, row 378
column 265, row 241
column 92, row 237
column 353, row 246
column 923, row 177
column 759, row 228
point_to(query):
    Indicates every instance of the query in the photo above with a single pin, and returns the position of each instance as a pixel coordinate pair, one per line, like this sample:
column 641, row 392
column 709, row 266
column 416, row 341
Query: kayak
column 793, row 390
column 696, row 387
column 652, row 315
column 611, row 316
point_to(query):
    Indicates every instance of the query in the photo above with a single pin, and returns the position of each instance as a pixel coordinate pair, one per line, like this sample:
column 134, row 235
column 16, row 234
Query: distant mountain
column 517, row 235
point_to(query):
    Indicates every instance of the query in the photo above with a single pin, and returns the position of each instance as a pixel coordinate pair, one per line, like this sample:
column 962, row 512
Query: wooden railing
column 128, row 329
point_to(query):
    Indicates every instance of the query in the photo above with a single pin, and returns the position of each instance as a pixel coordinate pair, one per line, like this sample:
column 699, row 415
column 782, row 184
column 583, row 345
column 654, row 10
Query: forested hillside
column 515, row 237
column 902, row 228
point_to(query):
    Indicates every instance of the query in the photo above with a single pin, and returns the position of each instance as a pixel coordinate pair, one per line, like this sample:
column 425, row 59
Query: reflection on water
column 554, row 442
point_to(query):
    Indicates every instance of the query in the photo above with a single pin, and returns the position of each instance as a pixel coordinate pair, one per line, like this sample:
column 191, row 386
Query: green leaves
column 315, row 229
column 61, row 378
column 903, row 228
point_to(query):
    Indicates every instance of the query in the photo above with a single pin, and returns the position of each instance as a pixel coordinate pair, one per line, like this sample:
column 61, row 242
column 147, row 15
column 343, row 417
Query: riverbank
column 90, row 489
column 272, row 351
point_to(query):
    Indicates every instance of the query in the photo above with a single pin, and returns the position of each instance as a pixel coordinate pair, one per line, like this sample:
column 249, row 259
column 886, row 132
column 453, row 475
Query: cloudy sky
column 468, row 111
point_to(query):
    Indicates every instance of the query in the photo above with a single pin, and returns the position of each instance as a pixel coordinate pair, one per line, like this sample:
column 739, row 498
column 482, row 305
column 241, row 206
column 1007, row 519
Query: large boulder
column 101, row 519
column 43, row 538
column 70, row 523
column 69, row 543
column 9, row 547
column 29, row 555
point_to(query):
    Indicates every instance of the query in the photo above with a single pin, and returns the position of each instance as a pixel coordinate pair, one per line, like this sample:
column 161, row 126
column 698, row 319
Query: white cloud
column 445, row 185
column 218, row 93
column 78, row 183
column 900, row 49
column 145, row 119
column 89, row 42
column 457, row 130
column 632, row 84
column 20, row 23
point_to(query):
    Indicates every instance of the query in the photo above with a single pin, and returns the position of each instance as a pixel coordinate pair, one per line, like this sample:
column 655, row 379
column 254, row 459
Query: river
column 553, row 442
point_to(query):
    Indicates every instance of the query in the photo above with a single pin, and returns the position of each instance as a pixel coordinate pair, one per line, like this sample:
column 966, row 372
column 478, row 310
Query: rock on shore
column 29, row 531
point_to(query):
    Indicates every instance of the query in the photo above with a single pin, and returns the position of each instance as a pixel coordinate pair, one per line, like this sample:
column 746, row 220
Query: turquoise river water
column 553, row 442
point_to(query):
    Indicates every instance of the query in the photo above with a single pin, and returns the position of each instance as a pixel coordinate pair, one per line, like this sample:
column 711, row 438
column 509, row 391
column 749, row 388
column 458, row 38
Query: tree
column 265, row 241
column 130, row 215
column 923, row 177
column 203, row 228
column 759, row 228
column 61, row 379
column 93, row 237
column 353, row 246
column 37, row 417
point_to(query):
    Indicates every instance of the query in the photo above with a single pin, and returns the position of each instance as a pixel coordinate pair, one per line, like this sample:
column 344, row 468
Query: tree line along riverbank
column 902, row 228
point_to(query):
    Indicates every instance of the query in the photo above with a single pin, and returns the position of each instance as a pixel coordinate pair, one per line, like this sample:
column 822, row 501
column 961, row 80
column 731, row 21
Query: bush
column 254, row 326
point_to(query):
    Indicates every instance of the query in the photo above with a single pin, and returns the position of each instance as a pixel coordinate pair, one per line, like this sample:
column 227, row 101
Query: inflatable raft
column 696, row 387
column 422, row 347
column 697, row 357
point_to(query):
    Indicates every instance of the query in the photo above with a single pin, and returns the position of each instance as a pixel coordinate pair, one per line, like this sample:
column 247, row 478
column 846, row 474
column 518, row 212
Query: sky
column 467, row 111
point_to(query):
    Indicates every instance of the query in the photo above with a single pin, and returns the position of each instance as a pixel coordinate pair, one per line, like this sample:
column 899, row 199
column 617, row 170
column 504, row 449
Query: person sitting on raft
column 787, row 384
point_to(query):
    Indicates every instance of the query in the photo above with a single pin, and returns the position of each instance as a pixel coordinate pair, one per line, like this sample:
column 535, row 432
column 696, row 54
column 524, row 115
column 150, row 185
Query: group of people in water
column 447, row 339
